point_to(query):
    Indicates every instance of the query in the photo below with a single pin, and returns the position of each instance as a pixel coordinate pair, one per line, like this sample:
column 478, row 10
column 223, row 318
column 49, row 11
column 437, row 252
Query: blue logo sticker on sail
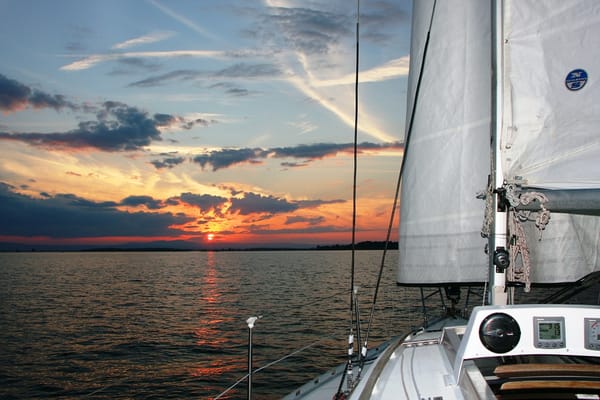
column 576, row 79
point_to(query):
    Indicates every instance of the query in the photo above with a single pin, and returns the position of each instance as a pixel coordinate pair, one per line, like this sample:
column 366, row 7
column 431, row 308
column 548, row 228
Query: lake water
column 143, row 325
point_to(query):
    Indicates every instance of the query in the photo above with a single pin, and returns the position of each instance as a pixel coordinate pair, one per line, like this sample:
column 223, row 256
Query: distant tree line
column 368, row 245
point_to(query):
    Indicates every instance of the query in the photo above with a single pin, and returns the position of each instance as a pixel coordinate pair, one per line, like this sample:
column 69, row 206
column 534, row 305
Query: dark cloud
column 255, row 203
column 309, row 220
column 44, row 100
column 225, row 158
column 198, row 121
column 66, row 216
column 15, row 96
column 118, row 127
column 204, row 202
column 312, row 151
column 167, row 120
column 317, row 203
column 244, row 70
column 294, row 164
column 235, row 71
column 77, row 201
column 146, row 201
column 231, row 89
column 164, row 119
column 168, row 162
column 238, row 92
column 69, row 216
column 177, row 75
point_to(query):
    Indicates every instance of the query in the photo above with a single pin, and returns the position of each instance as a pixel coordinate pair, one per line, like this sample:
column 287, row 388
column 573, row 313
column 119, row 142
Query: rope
column 519, row 272
column 520, row 265
column 543, row 217
column 488, row 218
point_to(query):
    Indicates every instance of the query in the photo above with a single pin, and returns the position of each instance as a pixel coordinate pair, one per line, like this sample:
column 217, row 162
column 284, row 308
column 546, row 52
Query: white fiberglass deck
column 534, row 350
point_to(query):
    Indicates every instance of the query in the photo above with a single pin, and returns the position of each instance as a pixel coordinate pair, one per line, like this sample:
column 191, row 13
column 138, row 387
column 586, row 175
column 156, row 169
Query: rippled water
column 172, row 324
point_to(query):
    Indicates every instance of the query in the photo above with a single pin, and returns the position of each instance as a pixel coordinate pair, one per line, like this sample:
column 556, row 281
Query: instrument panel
column 532, row 329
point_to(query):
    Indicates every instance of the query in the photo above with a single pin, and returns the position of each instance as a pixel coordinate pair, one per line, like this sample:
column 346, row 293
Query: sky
column 198, row 124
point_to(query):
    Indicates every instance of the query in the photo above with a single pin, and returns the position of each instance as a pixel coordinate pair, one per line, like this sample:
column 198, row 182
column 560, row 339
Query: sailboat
column 500, row 191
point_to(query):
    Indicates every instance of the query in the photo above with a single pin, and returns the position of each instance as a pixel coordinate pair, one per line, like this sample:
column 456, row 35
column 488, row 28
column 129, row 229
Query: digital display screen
column 549, row 331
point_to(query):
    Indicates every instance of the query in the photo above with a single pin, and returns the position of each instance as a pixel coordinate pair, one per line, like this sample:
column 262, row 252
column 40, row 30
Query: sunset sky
column 224, row 123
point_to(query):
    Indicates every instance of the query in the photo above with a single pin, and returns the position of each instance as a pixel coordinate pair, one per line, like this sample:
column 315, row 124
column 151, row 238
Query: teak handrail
column 533, row 370
column 550, row 384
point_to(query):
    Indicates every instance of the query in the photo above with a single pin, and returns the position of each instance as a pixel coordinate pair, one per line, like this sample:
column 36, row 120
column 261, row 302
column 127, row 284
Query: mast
column 498, row 256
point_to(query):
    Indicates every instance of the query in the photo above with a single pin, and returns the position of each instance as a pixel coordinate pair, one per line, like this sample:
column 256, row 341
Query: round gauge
column 592, row 334
column 499, row 333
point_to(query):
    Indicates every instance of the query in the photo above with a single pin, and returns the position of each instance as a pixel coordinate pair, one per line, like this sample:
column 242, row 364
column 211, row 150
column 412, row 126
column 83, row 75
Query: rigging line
column 271, row 364
column 355, row 163
column 354, row 190
column 400, row 174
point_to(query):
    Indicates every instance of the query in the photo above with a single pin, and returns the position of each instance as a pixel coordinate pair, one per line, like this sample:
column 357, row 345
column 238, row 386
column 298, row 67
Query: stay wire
column 354, row 191
column 399, row 180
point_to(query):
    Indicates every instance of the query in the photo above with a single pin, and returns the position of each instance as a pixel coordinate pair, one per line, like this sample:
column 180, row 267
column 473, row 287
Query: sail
column 447, row 161
column 550, row 139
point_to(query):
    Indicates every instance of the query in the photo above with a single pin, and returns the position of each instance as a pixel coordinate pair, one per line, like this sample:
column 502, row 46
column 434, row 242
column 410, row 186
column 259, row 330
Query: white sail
column 551, row 133
column 449, row 149
column 551, row 124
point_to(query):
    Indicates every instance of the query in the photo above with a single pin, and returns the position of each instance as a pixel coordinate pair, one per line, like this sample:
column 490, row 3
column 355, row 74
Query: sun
column 210, row 237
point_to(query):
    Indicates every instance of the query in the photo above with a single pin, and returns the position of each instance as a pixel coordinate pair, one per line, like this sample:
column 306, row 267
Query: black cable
column 354, row 190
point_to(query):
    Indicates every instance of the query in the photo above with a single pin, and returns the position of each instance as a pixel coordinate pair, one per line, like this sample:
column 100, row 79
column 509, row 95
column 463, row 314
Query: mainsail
column 550, row 137
column 548, row 132
column 446, row 164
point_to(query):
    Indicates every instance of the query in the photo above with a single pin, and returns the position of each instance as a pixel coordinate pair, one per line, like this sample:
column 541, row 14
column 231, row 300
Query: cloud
column 308, row 220
column 118, row 127
column 306, row 30
column 317, row 203
column 379, row 15
column 235, row 71
column 70, row 216
column 15, row 96
column 245, row 70
column 312, row 40
column 392, row 69
column 253, row 203
column 168, row 162
column 145, row 39
column 132, row 65
column 146, row 201
column 94, row 59
column 184, row 20
column 205, row 202
column 177, row 75
column 226, row 158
